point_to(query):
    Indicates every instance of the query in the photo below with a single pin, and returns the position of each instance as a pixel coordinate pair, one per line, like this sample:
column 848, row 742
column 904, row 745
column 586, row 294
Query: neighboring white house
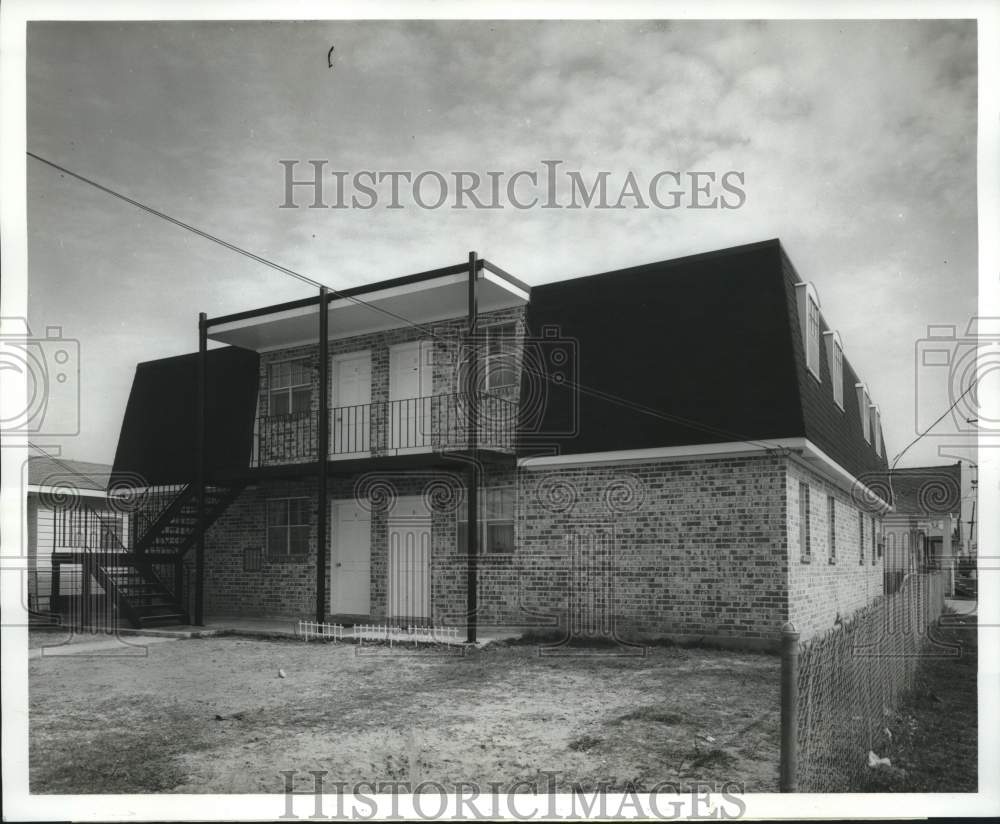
column 921, row 533
column 68, row 510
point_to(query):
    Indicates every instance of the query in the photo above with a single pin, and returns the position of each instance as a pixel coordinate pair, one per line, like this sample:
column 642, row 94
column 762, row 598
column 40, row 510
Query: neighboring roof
column 927, row 490
column 158, row 439
column 47, row 471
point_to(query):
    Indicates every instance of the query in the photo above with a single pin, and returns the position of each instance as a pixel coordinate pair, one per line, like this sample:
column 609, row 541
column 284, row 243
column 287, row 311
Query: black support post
column 789, row 708
column 199, row 578
column 55, row 596
column 323, row 448
column 472, row 518
column 179, row 593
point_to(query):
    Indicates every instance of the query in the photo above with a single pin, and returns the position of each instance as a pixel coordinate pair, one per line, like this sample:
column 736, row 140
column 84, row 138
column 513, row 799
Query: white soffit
column 415, row 303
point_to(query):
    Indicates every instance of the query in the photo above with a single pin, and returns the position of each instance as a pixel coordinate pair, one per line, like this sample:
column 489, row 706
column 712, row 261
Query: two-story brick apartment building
column 676, row 449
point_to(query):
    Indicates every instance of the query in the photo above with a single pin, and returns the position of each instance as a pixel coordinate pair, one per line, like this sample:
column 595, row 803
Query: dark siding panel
column 680, row 352
column 158, row 435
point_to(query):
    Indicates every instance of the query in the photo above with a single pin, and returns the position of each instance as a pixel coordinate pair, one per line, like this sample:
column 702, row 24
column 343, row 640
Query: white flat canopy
column 427, row 301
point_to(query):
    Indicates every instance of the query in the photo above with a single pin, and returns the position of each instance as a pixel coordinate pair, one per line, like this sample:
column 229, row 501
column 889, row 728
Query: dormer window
column 877, row 429
column 835, row 358
column 864, row 404
column 808, row 304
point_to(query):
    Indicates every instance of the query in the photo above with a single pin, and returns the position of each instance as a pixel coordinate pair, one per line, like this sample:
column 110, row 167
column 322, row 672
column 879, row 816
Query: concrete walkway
column 262, row 627
column 111, row 645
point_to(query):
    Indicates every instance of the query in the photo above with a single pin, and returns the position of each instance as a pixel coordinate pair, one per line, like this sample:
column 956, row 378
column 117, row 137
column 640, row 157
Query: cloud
column 857, row 140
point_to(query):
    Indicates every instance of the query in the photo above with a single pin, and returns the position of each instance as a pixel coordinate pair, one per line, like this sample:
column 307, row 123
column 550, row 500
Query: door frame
column 426, row 369
column 335, row 521
column 335, row 363
column 425, row 380
column 421, row 520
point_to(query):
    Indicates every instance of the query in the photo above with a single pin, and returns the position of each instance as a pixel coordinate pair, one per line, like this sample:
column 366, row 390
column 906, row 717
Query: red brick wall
column 679, row 548
column 820, row 590
column 705, row 548
column 287, row 586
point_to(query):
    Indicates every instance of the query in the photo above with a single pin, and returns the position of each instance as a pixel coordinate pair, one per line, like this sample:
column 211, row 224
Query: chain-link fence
column 850, row 679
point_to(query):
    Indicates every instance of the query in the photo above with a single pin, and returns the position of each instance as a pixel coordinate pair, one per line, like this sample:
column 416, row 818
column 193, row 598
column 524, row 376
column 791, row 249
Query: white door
column 409, row 591
column 350, row 416
column 350, row 576
column 411, row 379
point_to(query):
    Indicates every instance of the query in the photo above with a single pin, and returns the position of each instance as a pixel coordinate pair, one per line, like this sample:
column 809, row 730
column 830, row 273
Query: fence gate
column 409, row 590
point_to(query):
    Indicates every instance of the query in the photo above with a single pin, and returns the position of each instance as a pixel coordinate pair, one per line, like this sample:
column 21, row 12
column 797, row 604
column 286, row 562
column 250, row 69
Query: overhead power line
column 642, row 409
column 941, row 417
column 224, row 243
column 156, row 212
column 929, row 428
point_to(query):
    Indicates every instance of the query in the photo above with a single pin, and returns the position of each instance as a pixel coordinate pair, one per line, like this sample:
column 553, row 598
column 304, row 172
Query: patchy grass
column 935, row 731
column 713, row 757
column 213, row 715
column 652, row 714
column 584, row 743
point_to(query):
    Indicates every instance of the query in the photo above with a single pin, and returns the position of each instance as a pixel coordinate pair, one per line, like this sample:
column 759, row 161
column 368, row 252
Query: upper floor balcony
column 434, row 423
column 388, row 369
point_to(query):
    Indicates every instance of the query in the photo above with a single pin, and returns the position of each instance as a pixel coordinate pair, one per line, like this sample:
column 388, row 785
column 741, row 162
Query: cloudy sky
column 857, row 141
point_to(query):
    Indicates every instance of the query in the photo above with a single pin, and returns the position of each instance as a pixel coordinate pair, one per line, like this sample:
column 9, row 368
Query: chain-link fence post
column 789, row 706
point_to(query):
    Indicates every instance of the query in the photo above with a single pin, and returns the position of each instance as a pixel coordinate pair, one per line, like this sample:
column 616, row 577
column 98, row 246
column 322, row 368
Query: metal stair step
column 143, row 603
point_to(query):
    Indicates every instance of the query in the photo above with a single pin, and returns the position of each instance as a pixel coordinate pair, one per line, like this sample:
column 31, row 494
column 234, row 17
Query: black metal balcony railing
column 82, row 528
column 433, row 423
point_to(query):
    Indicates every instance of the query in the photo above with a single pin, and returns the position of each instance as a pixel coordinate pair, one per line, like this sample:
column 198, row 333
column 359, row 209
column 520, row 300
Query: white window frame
column 864, row 402
column 805, row 523
column 485, row 522
column 289, row 389
column 288, row 527
column 489, row 360
column 807, row 299
column 874, row 542
column 877, row 429
column 861, row 539
column 835, row 361
column 831, row 514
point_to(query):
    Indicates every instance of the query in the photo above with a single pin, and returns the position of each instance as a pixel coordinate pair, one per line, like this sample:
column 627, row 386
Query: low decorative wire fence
column 840, row 689
column 383, row 633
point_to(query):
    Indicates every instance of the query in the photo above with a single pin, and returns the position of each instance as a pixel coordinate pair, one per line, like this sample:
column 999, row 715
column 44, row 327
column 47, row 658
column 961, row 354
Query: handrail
column 430, row 422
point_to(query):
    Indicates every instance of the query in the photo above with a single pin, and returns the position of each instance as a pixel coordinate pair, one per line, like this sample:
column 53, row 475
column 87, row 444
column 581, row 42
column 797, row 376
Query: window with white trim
column 812, row 339
column 496, row 521
column 805, row 549
column 861, row 538
column 501, row 350
column 808, row 305
column 835, row 361
column 877, row 429
column 864, row 402
column 288, row 526
column 831, row 508
column 874, row 542
column 289, row 387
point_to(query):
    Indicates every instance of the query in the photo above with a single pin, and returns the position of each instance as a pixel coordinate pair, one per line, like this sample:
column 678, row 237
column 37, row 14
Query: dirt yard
column 215, row 715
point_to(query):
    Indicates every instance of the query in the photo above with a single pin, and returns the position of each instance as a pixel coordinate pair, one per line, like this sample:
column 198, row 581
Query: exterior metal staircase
column 143, row 583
